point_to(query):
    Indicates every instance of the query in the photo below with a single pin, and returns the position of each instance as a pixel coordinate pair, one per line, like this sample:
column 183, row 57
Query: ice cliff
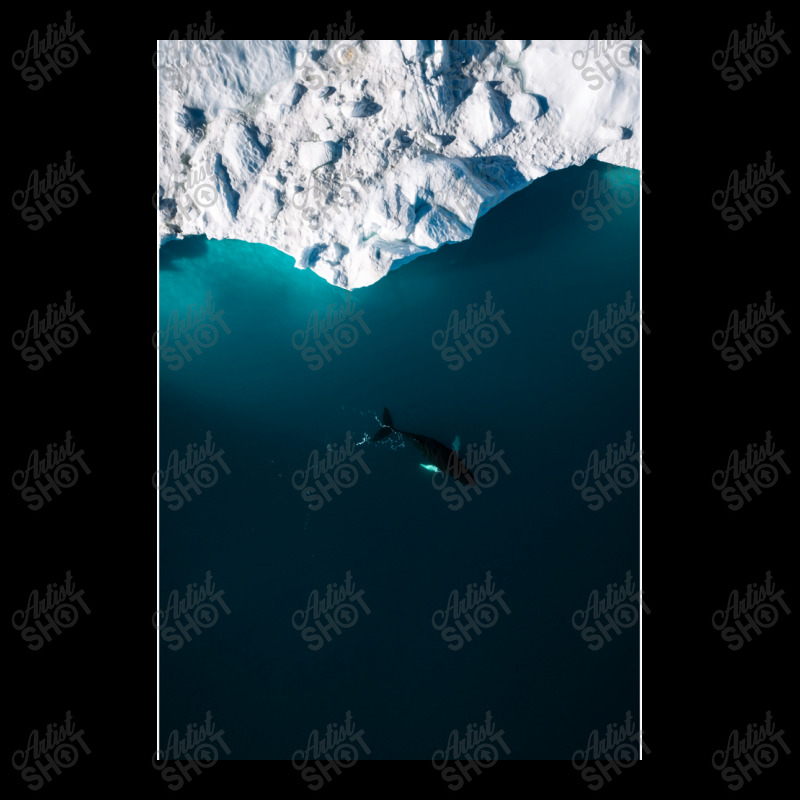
column 355, row 157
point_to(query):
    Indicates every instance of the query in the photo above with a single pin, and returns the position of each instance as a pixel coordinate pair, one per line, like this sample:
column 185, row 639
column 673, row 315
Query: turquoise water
column 547, row 268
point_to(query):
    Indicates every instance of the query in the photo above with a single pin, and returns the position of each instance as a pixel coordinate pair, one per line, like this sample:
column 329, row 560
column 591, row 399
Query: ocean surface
column 276, row 380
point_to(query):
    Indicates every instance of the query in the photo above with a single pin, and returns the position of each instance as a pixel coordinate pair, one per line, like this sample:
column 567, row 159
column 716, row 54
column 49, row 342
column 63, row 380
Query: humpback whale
column 442, row 457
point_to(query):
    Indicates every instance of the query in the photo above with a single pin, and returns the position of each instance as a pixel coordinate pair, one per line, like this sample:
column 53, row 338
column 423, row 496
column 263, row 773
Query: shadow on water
column 546, row 209
column 183, row 250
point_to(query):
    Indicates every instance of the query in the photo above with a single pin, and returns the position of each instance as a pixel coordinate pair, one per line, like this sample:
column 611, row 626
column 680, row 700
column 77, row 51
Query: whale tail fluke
column 387, row 427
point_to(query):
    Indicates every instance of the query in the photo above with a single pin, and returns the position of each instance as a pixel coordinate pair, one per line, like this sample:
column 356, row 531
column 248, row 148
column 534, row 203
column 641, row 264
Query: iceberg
column 356, row 157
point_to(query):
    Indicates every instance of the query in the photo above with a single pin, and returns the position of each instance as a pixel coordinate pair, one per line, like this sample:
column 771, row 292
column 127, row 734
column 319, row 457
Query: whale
column 439, row 456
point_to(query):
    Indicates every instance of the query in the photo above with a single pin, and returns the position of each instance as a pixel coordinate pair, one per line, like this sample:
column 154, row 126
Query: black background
column 695, row 410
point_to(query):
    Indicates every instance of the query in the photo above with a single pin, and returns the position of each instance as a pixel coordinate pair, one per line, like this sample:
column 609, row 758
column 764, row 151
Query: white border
column 641, row 435
column 158, row 430
column 641, row 424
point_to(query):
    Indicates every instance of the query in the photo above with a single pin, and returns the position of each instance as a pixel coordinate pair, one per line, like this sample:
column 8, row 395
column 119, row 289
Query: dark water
column 405, row 545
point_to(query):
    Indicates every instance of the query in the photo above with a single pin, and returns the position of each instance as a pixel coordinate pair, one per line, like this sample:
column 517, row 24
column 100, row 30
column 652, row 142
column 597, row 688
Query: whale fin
column 387, row 427
column 382, row 433
column 456, row 443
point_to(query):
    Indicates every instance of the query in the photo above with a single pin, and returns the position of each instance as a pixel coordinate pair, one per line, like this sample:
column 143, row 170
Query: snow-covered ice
column 355, row 157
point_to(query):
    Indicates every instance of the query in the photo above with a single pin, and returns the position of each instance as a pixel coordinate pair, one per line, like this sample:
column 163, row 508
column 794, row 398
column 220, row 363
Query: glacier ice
column 355, row 157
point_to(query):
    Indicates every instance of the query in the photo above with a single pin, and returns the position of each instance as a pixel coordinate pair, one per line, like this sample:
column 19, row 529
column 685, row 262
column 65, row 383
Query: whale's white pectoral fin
column 456, row 443
column 430, row 467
